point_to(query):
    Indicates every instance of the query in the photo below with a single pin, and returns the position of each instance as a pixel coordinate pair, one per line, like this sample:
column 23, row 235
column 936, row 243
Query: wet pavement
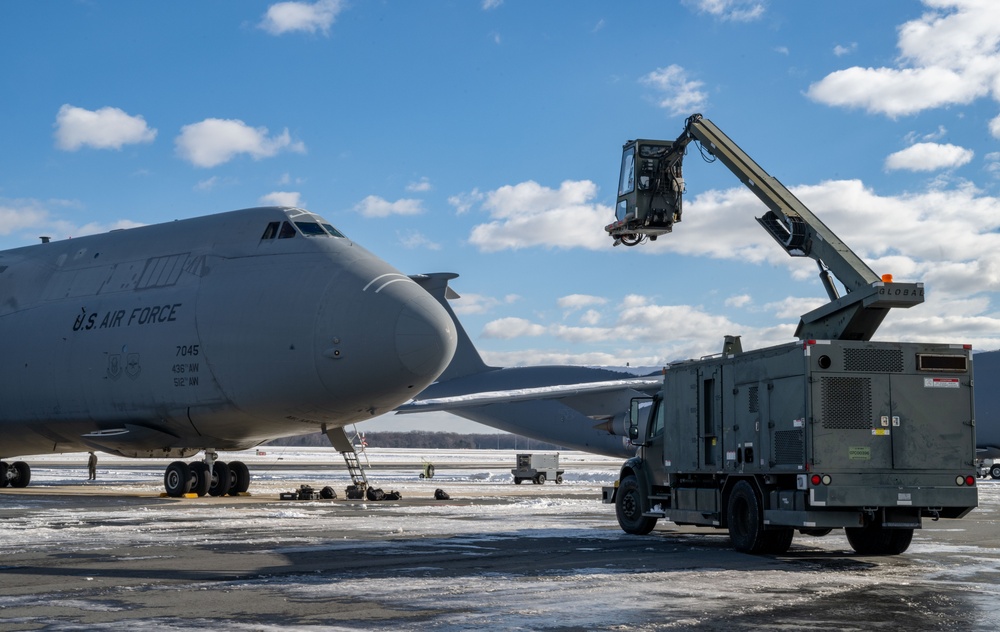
column 117, row 556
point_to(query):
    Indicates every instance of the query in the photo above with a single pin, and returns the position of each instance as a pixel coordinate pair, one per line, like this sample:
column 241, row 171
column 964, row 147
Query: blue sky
column 484, row 138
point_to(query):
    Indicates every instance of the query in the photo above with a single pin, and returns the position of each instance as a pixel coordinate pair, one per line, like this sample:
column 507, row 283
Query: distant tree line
column 422, row 439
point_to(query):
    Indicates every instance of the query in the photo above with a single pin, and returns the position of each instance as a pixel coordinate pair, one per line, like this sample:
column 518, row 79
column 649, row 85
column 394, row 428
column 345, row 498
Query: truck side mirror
column 637, row 419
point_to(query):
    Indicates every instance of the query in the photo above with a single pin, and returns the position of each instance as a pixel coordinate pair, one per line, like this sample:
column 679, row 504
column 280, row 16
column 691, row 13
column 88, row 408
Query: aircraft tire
column 239, row 478
column 21, row 474
column 628, row 508
column 201, row 478
column 540, row 479
column 745, row 519
column 221, row 482
column 995, row 470
column 874, row 539
column 177, row 479
column 4, row 478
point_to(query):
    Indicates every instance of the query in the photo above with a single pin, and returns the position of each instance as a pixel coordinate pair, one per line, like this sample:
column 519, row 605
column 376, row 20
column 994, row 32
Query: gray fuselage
column 216, row 332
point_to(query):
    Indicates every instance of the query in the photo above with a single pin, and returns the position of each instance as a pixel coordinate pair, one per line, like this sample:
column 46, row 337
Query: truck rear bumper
column 917, row 497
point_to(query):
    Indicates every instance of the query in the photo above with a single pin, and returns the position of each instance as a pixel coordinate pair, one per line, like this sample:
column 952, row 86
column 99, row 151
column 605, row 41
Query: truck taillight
column 816, row 479
column 965, row 480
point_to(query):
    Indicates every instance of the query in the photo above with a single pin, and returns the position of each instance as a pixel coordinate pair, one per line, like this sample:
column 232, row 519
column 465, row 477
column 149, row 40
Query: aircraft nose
column 393, row 342
column 425, row 341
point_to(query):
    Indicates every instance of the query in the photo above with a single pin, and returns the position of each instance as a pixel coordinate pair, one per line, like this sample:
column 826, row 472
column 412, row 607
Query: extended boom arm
column 649, row 203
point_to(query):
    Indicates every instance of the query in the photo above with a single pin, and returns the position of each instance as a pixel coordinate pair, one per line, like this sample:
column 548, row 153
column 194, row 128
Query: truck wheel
column 816, row 533
column 745, row 519
column 777, row 541
column 517, row 481
column 559, row 479
column 540, row 479
column 995, row 471
column 628, row 508
column 874, row 539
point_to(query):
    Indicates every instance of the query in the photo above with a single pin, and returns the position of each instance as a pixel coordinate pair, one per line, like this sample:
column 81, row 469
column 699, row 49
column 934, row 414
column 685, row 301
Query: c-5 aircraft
column 986, row 373
column 213, row 333
column 583, row 408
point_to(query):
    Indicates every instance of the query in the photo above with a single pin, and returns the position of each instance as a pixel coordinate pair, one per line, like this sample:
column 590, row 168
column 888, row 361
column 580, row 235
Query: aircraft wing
column 559, row 391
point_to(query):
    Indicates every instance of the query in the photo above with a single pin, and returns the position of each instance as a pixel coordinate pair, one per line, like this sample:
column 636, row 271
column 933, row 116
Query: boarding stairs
column 340, row 441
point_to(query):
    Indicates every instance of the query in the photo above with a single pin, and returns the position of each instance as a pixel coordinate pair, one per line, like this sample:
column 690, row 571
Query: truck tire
column 874, row 539
column 746, row 519
column 777, row 541
column 628, row 508
column 540, row 479
column 995, row 470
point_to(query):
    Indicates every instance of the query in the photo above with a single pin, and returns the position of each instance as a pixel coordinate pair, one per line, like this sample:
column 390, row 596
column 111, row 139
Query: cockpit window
column 287, row 231
column 311, row 229
column 271, row 231
column 333, row 231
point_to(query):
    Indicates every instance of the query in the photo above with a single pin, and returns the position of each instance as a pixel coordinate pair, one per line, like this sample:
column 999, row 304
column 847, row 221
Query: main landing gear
column 16, row 474
column 209, row 476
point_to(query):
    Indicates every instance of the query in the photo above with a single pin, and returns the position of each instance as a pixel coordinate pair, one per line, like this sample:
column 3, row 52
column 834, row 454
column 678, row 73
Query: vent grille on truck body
column 846, row 403
column 789, row 447
column 874, row 360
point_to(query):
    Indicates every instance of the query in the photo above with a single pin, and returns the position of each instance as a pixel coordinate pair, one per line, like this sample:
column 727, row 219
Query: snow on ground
column 946, row 578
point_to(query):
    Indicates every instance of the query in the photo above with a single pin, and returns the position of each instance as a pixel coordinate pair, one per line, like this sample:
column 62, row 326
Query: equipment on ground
column 537, row 468
column 834, row 431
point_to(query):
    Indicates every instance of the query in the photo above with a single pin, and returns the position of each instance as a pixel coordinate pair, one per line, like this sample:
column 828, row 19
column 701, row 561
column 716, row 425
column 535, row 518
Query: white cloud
column 914, row 137
column 491, row 4
column 993, row 163
column 288, row 17
column 374, row 206
column 928, row 157
column 730, row 10
column 414, row 239
column 507, row 328
column 741, row 300
column 19, row 216
column 480, row 303
column 578, row 301
column 950, row 55
column 465, row 201
column 680, row 94
column 213, row 142
column 106, row 128
column 282, row 198
column 591, row 317
column 945, row 237
column 528, row 214
column 840, row 51
column 995, row 127
column 421, row 186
